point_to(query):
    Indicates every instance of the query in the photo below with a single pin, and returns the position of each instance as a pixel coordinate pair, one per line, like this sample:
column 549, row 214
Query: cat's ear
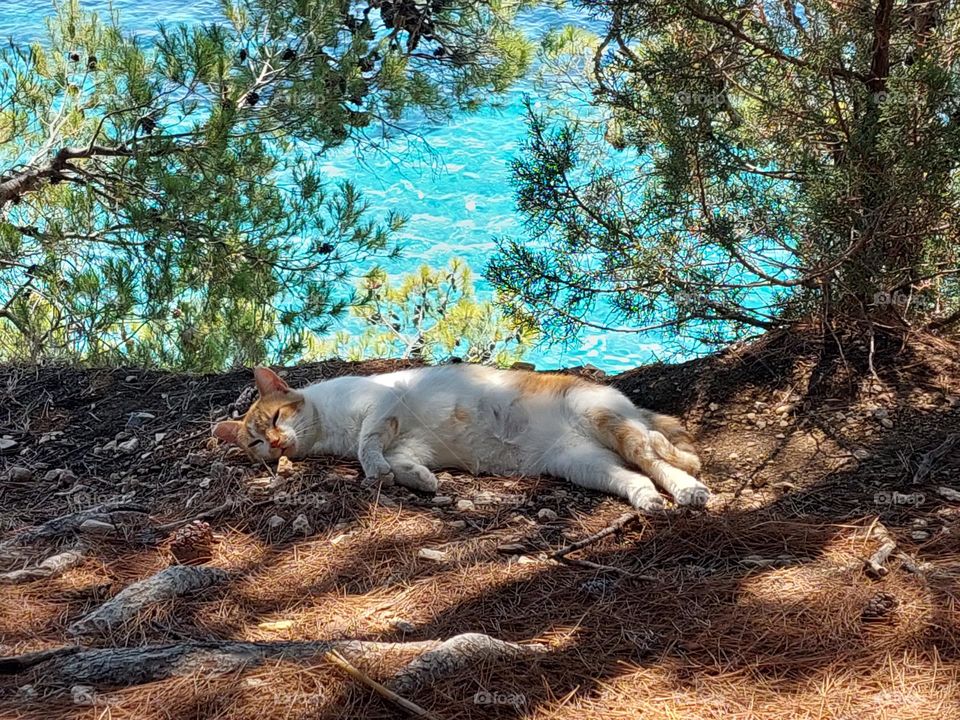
column 228, row 431
column 268, row 382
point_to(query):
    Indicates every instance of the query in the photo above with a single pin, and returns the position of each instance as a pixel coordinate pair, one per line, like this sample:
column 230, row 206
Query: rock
column 130, row 378
column 404, row 626
column 751, row 416
column 761, row 424
column 285, row 466
column 780, row 436
column 511, row 548
column 713, row 407
column 83, row 695
column 920, row 535
column 487, row 498
column 8, row 445
column 784, row 409
column 158, row 437
column 949, row 493
column 96, row 527
column 275, row 522
column 50, row 437
column 18, row 473
column 527, row 560
column 128, row 447
column 881, row 414
column 546, row 515
column 862, row 454
column 196, row 459
column 139, row 419
column 886, row 422
column 301, row 525
column 457, row 524
column 466, row 506
column 952, row 400
column 429, row 554
column 61, row 476
column 442, row 500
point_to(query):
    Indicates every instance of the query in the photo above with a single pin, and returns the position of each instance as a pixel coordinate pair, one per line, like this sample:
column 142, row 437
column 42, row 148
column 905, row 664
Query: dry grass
column 752, row 609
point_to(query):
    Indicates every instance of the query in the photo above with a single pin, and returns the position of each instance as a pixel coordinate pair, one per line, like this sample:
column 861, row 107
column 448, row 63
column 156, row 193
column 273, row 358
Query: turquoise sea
column 451, row 179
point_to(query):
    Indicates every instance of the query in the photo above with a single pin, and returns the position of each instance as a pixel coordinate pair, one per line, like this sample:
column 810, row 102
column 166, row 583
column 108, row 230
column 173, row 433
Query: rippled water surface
column 458, row 194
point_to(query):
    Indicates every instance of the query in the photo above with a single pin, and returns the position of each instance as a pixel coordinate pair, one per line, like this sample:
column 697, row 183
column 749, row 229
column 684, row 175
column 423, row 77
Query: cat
column 401, row 425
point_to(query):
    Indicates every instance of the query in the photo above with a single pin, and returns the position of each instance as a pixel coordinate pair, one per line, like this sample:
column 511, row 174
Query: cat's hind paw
column 694, row 495
column 381, row 474
column 418, row 477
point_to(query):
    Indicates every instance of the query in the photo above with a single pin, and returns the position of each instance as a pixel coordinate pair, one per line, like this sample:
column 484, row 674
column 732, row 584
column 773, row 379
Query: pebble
column 511, row 548
column 784, row 409
column 881, row 414
column 404, row 626
column 285, row 466
column 713, row 407
column 60, row 475
column 920, row 535
column 128, row 447
column 457, row 524
column 887, row 423
column 18, row 473
column 83, row 695
column 546, row 515
column 8, row 445
column 96, row 527
column 301, row 524
column 780, row 436
column 429, row 554
column 761, row 424
column 50, row 436
column 945, row 492
column 466, row 506
column 442, row 500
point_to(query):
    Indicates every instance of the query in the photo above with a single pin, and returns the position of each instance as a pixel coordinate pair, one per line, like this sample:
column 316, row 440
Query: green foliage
column 745, row 168
column 164, row 203
column 431, row 314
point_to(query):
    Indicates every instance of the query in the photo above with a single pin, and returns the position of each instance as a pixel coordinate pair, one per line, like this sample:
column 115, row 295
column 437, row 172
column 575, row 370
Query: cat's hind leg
column 376, row 434
column 597, row 468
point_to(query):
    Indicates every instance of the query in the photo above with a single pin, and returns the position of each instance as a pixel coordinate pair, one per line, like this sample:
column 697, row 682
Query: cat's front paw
column 648, row 500
column 379, row 474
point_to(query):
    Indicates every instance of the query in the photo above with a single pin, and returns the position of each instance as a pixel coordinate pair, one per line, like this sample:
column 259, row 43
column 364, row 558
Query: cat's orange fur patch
column 460, row 415
column 532, row 383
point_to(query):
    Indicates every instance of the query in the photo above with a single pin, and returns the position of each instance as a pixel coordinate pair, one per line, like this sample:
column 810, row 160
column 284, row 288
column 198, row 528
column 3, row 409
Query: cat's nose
column 276, row 443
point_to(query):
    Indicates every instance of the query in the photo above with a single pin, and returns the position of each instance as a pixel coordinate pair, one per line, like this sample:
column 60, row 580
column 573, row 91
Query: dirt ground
column 758, row 607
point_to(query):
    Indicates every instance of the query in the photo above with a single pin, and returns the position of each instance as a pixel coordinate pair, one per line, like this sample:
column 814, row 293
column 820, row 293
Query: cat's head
column 269, row 429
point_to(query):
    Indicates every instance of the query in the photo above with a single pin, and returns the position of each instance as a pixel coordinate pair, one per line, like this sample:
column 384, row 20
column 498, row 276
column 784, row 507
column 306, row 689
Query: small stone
column 862, row 454
column 780, row 436
column 442, row 500
column 61, row 476
column 919, row 523
column 128, row 446
column 511, row 548
column 784, row 423
column 83, row 695
column 952, row 400
column 110, row 447
column 158, row 437
column 8, row 445
column 784, row 409
column 285, row 466
column 948, row 493
column 50, row 437
column 466, row 506
column 526, row 560
column 761, row 424
column 404, row 626
column 457, row 524
column 920, row 535
column 301, row 525
column 881, row 414
column 130, row 378
column 429, row 554
column 713, row 407
column 751, row 416
column 139, row 419
column 96, row 527
column 887, row 423
column 18, row 473
column 196, row 459
column 546, row 515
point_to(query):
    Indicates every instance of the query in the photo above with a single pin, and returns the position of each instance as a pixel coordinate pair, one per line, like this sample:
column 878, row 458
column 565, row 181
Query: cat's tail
column 644, row 443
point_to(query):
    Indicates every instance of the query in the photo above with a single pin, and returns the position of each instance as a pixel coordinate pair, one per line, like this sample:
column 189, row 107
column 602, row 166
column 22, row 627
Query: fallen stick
column 930, row 458
column 205, row 515
column 169, row 583
column 382, row 690
column 875, row 565
column 616, row 526
column 51, row 567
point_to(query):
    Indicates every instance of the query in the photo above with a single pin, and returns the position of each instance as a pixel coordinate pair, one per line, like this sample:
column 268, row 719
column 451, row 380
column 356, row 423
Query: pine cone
column 193, row 544
column 878, row 607
column 240, row 406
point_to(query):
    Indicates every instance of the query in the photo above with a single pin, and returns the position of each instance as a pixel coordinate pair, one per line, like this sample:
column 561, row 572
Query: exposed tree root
column 51, row 567
column 169, row 583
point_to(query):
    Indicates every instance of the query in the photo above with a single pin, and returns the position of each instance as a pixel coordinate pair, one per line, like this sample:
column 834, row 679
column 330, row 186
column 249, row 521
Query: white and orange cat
column 402, row 424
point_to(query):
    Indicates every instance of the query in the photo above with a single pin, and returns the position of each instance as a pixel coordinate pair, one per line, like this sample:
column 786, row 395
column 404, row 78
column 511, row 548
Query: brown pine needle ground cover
column 759, row 607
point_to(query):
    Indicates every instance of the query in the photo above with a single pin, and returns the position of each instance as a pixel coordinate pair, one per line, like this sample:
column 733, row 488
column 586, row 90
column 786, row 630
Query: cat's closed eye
column 255, row 443
column 276, row 418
